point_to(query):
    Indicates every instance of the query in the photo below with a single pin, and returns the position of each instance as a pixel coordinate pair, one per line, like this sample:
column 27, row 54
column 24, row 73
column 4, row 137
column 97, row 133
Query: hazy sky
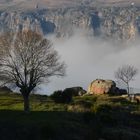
column 89, row 58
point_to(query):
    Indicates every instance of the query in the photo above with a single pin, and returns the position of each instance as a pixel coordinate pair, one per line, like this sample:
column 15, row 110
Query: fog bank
column 88, row 58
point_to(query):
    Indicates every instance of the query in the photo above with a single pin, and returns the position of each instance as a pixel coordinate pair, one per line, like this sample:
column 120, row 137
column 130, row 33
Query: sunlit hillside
column 87, row 117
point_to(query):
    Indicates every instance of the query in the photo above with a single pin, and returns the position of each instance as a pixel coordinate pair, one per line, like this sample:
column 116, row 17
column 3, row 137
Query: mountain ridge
column 32, row 4
column 121, row 23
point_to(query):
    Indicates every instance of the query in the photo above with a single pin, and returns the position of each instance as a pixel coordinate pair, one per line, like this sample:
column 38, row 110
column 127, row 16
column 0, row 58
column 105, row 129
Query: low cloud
column 89, row 58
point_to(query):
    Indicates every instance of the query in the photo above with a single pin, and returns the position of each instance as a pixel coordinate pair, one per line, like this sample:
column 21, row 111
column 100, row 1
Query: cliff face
column 121, row 23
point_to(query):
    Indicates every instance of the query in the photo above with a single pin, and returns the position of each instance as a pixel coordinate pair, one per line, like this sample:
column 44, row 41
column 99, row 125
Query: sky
column 89, row 58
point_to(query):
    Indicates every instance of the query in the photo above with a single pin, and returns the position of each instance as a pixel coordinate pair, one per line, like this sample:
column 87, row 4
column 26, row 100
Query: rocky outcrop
column 100, row 86
column 67, row 94
column 75, row 91
column 121, row 23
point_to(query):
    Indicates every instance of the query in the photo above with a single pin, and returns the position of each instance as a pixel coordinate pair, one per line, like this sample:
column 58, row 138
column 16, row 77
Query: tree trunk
column 26, row 104
column 128, row 89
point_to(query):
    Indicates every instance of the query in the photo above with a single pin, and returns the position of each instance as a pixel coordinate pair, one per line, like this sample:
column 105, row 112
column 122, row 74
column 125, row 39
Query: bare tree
column 126, row 74
column 27, row 60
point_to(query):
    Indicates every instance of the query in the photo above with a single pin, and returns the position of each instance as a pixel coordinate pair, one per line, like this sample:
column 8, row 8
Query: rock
column 100, row 86
column 120, row 23
column 75, row 91
column 135, row 97
column 67, row 94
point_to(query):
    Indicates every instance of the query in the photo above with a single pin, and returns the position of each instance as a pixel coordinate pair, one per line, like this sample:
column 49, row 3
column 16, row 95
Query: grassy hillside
column 85, row 118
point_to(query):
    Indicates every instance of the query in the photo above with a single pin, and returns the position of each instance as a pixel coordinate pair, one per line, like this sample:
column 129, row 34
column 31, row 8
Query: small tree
column 126, row 74
column 27, row 60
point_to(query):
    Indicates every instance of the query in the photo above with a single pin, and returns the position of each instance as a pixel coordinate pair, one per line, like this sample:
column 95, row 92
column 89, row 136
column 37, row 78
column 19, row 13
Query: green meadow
column 84, row 118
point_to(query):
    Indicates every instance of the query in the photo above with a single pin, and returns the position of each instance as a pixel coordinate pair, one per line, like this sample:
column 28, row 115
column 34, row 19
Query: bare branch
column 27, row 60
column 126, row 74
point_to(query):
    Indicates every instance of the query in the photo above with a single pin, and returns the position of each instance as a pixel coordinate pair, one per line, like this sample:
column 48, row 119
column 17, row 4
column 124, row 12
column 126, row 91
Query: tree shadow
column 44, row 125
column 63, row 125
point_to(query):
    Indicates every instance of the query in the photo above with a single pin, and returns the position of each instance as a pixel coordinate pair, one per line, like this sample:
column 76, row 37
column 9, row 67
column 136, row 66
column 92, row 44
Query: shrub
column 97, row 108
column 104, row 113
column 5, row 90
column 61, row 96
column 67, row 96
column 57, row 96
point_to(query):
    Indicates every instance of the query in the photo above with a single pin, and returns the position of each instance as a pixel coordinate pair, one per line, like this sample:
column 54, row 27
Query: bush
column 61, row 96
column 57, row 96
column 104, row 113
column 5, row 90
column 97, row 108
column 66, row 96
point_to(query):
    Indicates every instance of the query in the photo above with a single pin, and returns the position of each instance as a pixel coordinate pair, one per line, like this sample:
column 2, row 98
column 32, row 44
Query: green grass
column 85, row 118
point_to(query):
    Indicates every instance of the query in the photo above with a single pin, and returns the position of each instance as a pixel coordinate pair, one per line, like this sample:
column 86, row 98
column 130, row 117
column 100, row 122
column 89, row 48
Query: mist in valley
column 89, row 58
